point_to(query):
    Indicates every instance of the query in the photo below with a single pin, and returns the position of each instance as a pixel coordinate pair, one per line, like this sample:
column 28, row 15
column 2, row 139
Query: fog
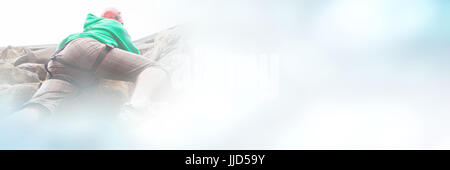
column 292, row 75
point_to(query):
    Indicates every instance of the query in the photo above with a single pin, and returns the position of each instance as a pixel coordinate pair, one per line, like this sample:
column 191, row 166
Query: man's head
column 112, row 13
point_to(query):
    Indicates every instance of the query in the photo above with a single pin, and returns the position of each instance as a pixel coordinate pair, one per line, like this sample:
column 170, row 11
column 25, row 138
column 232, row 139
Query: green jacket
column 105, row 30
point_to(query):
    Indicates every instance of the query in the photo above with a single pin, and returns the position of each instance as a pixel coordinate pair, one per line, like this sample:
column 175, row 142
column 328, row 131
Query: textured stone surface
column 10, row 53
column 35, row 68
column 13, row 75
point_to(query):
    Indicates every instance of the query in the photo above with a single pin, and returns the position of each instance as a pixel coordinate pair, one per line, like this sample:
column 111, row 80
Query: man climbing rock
column 103, row 50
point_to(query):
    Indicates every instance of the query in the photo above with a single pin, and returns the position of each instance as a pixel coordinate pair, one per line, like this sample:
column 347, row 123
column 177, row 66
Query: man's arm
column 39, row 56
column 128, row 44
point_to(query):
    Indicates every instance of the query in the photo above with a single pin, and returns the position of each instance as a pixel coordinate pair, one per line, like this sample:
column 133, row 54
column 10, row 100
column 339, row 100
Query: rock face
column 171, row 51
column 35, row 68
column 13, row 75
column 10, row 53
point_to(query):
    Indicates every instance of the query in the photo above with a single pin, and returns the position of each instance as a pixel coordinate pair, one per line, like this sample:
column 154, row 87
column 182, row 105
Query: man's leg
column 45, row 101
column 149, row 83
column 26, row 121
column 126, row 66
